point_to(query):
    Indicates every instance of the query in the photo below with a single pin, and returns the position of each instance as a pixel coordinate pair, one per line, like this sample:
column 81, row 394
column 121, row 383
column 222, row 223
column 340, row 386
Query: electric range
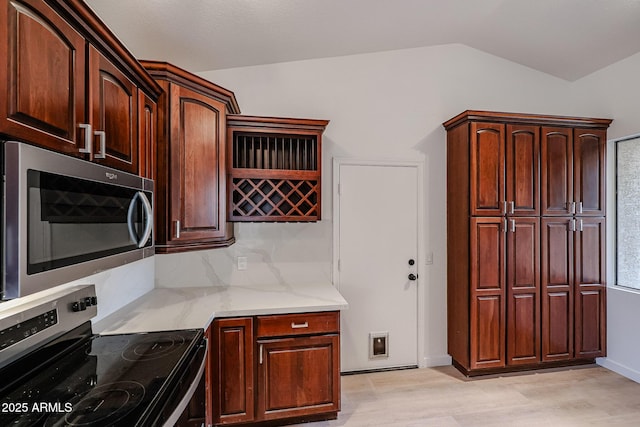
column 76, row 378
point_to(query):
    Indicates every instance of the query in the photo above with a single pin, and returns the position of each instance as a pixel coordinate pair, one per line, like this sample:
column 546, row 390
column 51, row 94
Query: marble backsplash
column 291, row 253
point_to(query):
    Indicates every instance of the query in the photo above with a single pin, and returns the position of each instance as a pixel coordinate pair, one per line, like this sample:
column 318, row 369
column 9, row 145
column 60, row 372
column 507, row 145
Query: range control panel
column 25, row 329
column 26, row 324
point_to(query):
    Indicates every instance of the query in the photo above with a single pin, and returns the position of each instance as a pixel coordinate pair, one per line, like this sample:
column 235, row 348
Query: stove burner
column 151, row 348
column 104, row 405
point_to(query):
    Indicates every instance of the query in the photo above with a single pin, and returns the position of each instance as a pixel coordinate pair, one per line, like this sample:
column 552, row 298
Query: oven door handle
column 146, row 205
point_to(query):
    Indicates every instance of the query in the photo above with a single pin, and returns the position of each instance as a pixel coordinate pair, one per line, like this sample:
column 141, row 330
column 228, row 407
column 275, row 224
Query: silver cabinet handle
column 572, row 225
column 580, row 207
column 504, row 225
column 102, row 153
column 513, row 225
column 299, row 325
column 512, row 207
column 260, row 361
column 87, row 138
column 177, row 229
column 572, row 207
column 580, row 229
column 504, row 207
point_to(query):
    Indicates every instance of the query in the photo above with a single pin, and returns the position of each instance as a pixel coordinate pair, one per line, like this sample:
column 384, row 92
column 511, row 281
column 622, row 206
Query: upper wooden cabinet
column 191, row 167
column 573, row 171
column 274, row 167
column 68, row 84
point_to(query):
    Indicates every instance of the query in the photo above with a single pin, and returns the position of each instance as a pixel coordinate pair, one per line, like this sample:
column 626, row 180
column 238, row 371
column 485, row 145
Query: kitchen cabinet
column 274, row 167
column 190, row 161
column 573, row 288
column 526, row 232
column 282, row 368
column 148, row 119
column 573, row 171
column 69, row 84
column 114, row 108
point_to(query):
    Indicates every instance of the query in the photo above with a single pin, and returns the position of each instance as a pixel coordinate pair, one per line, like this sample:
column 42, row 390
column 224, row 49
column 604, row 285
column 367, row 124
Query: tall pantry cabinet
column 525, row 240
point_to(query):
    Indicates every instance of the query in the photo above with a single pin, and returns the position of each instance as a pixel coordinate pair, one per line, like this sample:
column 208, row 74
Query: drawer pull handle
column 299, row 325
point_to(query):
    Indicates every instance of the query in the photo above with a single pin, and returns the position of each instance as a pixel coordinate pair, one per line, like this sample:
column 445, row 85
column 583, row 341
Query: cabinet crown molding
column 501, row 117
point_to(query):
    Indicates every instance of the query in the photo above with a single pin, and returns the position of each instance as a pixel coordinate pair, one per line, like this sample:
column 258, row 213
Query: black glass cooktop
column 110, row 380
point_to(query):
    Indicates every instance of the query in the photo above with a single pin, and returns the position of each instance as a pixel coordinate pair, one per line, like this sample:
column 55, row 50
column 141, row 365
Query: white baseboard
column 616, row 367
column 432, row 361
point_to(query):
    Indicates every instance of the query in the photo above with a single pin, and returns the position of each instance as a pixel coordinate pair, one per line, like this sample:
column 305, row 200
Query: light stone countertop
column 164, row 309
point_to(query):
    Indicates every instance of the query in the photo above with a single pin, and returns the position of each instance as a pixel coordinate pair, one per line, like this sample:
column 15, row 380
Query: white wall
column 388, row 105
column 613, row 92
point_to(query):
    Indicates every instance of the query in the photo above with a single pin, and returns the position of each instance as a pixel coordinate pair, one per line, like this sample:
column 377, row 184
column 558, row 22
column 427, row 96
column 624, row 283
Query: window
column 628, row 212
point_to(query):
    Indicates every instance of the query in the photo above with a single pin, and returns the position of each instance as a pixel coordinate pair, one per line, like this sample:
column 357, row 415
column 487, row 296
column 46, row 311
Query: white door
column 377, row 232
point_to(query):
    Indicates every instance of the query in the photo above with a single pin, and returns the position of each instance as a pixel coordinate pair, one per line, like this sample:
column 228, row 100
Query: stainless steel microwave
column 65, row 218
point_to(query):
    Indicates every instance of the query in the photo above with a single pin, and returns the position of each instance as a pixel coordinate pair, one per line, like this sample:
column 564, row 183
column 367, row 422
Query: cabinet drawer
column 298, row 324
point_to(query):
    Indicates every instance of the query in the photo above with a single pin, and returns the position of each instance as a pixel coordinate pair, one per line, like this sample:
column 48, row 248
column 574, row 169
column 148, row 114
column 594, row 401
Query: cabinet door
column 487, row 169
column 557, row 171
column 147, row 122
column 114, row 104
column 487, row 337
column 197, row 161
column 523, row 285
column 522, row 166
column 232, row 370
column 590, row 288
column 42, row 82
column 589, row 171
column 557, row 288
column 298, row 376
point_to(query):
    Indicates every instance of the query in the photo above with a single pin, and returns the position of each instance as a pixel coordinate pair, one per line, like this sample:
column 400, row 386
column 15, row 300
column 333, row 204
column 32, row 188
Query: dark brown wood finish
column 274, row 168
column 590, row 288
column 190, row 169
column 487, row 169
column 296, row 360
column 66, row 78
column 298, row 377
column 589, row 171
column 148, row 120
column 488, row 321
column 232, row 370
column 524, row 176
column 557, row 288
column 557, row 171
column 523, row 291
column 114, row 104
column 42, row 83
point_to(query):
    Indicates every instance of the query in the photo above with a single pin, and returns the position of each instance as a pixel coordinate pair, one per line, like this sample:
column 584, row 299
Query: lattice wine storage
column 274, row 168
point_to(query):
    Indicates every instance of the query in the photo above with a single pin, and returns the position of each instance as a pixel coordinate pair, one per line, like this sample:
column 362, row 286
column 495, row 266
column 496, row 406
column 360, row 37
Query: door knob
column 413, row 276
column 411, row 262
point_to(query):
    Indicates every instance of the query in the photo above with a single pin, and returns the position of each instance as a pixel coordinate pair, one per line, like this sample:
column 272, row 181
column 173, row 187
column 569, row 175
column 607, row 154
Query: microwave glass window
column 74, row 220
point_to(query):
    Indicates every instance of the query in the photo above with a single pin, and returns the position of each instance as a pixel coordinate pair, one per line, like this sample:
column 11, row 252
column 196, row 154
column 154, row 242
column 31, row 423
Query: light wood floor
column 584, row 396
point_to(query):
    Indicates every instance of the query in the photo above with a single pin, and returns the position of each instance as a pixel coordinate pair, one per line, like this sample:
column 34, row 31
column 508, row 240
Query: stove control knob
column 94, row 300
column 79, row 306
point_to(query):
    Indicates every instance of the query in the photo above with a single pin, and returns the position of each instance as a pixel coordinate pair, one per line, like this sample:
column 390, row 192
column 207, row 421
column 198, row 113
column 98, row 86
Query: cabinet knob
column 413, row 276
column 412, row 261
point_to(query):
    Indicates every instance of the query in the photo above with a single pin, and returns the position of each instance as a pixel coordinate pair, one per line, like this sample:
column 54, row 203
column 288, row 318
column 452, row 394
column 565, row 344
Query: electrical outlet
column 242, row 263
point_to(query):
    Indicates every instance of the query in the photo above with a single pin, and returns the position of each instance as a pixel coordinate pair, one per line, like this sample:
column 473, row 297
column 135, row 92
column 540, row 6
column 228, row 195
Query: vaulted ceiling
column 565, row 38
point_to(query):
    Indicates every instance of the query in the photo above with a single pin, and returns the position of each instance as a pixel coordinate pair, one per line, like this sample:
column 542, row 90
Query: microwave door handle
column 148, row 212
column 149, row 220
column 132, row 233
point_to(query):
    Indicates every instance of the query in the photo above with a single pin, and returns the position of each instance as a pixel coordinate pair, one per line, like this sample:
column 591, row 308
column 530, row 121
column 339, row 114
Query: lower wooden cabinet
column 283, row 368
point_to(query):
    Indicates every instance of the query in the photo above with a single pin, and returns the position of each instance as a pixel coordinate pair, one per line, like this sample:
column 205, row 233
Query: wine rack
column 274, row 168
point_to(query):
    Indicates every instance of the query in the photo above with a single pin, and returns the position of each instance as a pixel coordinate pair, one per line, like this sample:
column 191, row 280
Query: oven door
column 68, row 218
